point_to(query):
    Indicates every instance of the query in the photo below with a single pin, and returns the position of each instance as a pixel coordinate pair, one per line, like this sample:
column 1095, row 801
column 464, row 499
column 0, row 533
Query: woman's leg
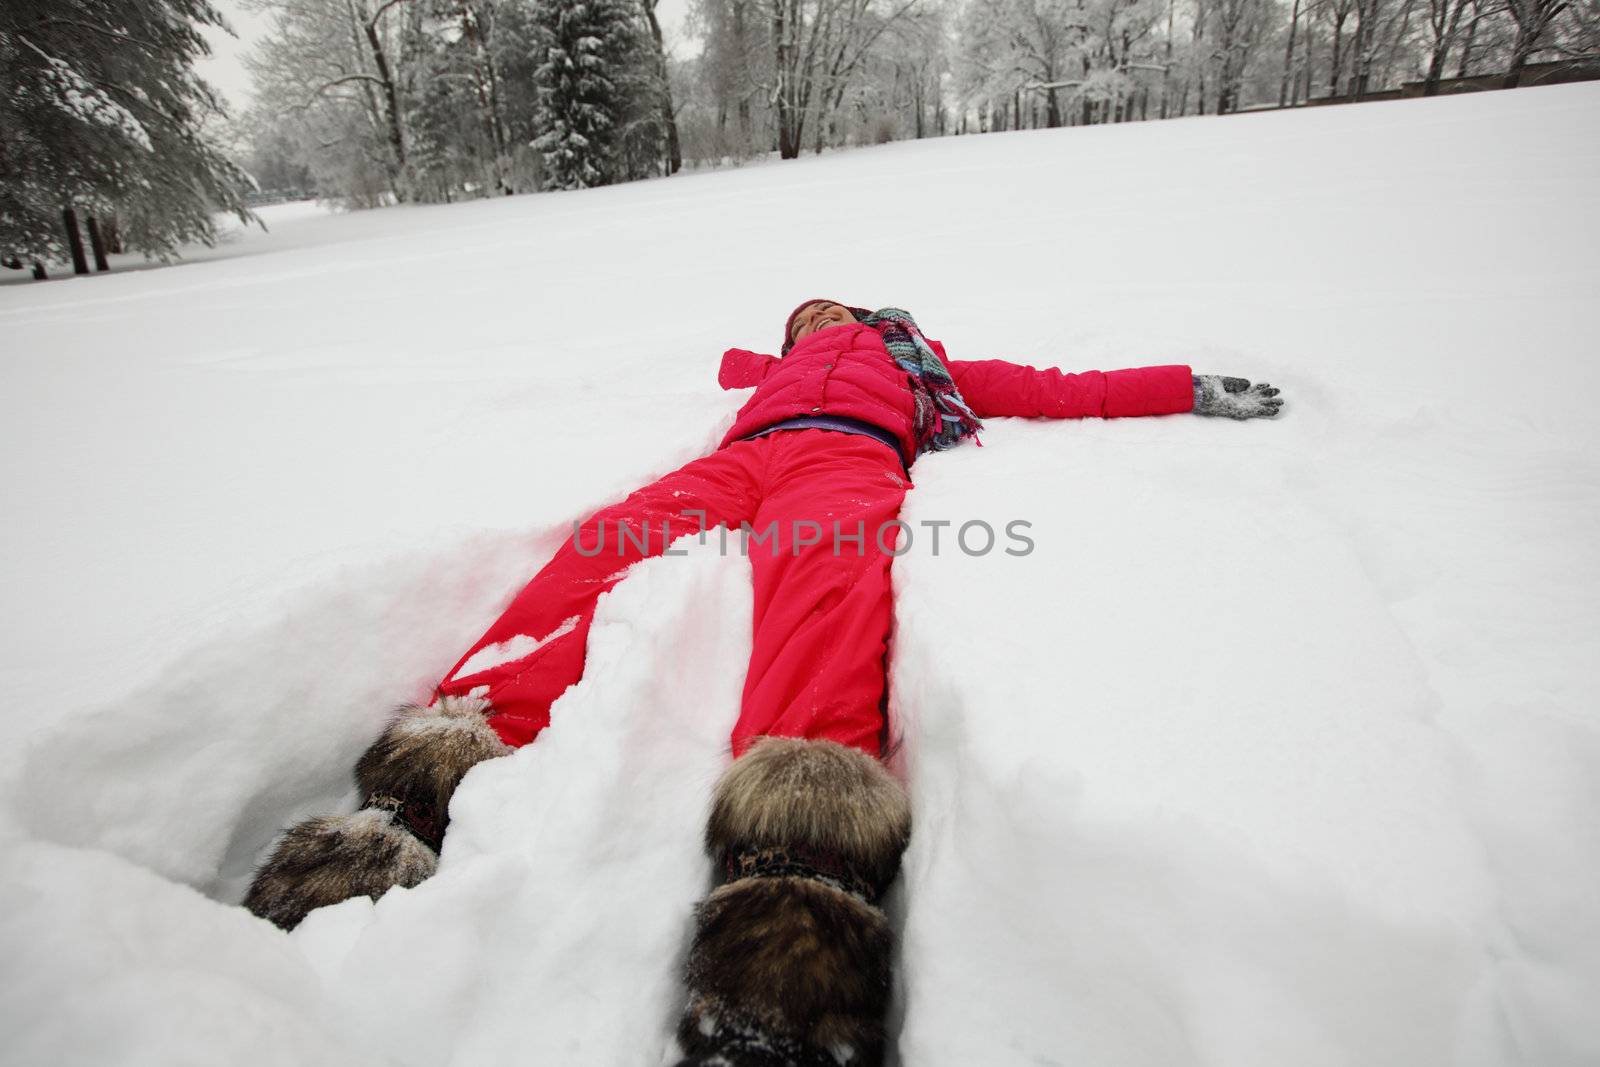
column 535, row 650
column 822, row 598
column 790, row 962
column 497, row 697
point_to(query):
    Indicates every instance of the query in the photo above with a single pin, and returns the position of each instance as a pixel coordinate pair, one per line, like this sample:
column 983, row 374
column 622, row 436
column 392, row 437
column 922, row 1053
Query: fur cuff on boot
column 334, row 857
column 406, row 780
column 817, row 802
column 414, row 767
column 790, row 965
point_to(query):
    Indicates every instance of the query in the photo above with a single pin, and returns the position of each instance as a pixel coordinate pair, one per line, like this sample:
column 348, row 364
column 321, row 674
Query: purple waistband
column 837, row 423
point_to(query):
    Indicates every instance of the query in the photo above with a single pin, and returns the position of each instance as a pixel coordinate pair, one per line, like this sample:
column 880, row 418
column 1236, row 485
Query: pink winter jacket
column 847, row 371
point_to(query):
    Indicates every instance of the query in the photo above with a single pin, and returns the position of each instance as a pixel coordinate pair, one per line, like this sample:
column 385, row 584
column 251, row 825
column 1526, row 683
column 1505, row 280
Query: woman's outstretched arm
column 995, row 388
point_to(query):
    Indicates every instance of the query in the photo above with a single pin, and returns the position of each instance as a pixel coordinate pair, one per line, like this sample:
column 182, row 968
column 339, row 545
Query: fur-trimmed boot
column 790, row 964
column 406, row 780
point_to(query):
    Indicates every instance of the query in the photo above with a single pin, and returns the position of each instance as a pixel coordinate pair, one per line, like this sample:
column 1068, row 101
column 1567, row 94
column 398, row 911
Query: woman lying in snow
column 790, row 958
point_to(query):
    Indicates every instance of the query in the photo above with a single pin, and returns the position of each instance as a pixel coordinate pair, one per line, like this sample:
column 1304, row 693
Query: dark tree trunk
column 1466, row 46
column 1288, row 55
column 1386, row 75
column 742, row 50
column 668, row 117
column 39, row 274
column 1533, row 17
column 1441, row 49
column 1519, row 58
column 80, row 263
column 1366, row 31
column 1338, row 48
column 391, row 101
column 788, row 121
column 97, row 244
column 486, row 80
column 1088, row 107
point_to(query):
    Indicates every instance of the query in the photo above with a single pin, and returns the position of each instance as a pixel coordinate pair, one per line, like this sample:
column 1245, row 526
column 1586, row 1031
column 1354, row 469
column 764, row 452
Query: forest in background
column 372, row 101
column 106, row 129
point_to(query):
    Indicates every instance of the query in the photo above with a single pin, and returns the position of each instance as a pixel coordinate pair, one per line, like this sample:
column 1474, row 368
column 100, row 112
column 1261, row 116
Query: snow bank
column 1280, row 746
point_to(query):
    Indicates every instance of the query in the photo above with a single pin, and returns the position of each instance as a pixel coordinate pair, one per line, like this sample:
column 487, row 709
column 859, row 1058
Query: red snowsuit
column 822, row 595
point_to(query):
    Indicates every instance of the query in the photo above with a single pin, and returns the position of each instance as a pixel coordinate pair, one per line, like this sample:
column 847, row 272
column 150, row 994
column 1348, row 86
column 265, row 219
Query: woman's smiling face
column 819, row 316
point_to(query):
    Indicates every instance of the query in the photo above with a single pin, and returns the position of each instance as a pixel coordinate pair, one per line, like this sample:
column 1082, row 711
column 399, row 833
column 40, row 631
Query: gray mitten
column 1234, row 397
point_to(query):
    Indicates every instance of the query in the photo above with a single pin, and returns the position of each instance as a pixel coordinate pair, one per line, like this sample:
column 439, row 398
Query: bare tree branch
column 319, row 90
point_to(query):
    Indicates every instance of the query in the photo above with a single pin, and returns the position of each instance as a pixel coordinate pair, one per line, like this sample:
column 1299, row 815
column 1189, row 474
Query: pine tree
column 101, row 110
column 590, row 54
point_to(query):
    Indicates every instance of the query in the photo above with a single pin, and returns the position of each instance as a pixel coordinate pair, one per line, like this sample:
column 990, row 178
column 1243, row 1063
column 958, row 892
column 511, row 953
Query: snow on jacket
column 847, row 371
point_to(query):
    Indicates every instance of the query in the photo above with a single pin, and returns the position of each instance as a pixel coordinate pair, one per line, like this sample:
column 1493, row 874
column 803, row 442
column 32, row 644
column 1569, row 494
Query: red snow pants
column 815, row 511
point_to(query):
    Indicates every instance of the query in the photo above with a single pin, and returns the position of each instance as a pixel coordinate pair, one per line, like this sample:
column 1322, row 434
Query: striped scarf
column 941, row 418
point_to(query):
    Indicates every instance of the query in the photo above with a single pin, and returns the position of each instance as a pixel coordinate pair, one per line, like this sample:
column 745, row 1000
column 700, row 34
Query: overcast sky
column 226, row 72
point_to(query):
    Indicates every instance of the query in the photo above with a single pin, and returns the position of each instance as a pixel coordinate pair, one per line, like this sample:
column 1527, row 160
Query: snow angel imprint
column 789, row 962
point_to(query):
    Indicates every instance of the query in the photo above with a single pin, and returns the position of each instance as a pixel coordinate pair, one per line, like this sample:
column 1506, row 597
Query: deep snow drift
column 1279, row 748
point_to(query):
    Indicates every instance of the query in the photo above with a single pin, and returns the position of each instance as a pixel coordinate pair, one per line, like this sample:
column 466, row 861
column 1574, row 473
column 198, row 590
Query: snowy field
column 1280, row 748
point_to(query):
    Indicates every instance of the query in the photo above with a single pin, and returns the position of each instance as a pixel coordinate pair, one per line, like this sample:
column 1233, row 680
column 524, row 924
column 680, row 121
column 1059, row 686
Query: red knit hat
column 788, row 324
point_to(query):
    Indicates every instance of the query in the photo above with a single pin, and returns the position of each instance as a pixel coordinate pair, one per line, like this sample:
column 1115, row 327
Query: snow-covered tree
column 455, row 101
column 728, row 77
column 896, row 88
column 1012, row 47
column 593, row 62
column 1237, row 28
column 335, row 76
column 101, row 111
column 1533, row 19
column 1579, row 34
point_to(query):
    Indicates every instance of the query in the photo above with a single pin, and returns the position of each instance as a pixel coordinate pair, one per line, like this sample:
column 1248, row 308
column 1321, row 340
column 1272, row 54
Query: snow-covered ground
column 1281, row 747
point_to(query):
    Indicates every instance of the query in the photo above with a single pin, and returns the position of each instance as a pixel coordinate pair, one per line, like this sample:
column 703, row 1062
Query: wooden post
column 80, row 262
column 97, row 244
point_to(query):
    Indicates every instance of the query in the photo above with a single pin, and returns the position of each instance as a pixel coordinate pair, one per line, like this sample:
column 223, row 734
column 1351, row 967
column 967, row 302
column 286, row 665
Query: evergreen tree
column 591, row 55
column 101, row 110
column 456, row 113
